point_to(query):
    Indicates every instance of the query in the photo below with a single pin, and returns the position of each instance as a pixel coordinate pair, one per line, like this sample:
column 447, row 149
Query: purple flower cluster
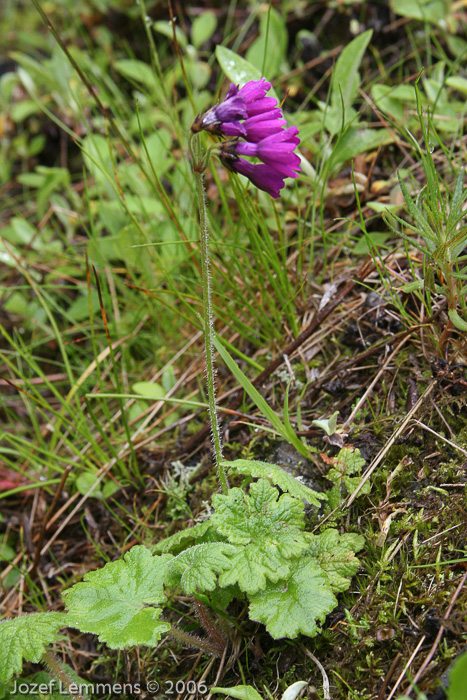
column 246, row 113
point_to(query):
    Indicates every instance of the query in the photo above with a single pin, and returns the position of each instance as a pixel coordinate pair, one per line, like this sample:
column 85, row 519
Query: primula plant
column 254, row 547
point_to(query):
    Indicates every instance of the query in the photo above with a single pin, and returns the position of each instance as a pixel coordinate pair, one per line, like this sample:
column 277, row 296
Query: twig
column 412, row 657
column 362, row 400
column 379, row 457
column 326, row 693
column 389, row 675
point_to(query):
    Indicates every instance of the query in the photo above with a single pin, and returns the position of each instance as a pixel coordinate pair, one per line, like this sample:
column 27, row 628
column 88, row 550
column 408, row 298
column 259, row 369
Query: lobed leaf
column 182, row 539
column 252, row 566
column 118, row 601
column 348, row 462
column 262, row 518
column 277, row 476
column 335, row 554
column 270, row 528
column 292, row 606
column 26, row 637
column 198, row 566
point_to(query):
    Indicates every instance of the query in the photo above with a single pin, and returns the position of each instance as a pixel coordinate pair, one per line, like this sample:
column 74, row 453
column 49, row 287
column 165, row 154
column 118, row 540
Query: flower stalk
column 199, row 164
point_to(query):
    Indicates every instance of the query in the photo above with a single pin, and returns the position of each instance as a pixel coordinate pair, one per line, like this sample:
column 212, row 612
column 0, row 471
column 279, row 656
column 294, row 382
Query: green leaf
column 457, row 676
column 26, row 638
column 345, row 76
column 335, row 554
column 329, row 425
column 356, row 141
column 270, row 527
column 426, row 231
column 293, row 605
column 85, row 481
column 412, row 286
column 199, row 565
column 182, row 539
column 425, row 10
column 137, row 71
column 118, row 602
column 150, row 390
column 348, row 462
column 270, row 48
column 457, row 320
column 166, row 28
column 261, row 517
column 237, row 69
column 277, row 476
column 243, row 692
column 203, row 28
column 251, row 567
column 260, row 402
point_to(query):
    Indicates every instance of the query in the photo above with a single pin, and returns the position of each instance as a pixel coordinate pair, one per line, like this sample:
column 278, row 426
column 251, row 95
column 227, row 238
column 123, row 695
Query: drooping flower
column 246, row 113
column 276, row 151
column 257, row 127
column 239, row 103
column 262, row 176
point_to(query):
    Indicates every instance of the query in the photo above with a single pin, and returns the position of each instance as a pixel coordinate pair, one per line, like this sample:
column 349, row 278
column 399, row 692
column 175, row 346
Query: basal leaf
column 182, row 539
column 251, row 566
column 118, row 602
column 262, row 518
column 348, row 462
column 335, row 554
column 200, row 565
column 277, row 476
column 293, row 605
column 26, row 638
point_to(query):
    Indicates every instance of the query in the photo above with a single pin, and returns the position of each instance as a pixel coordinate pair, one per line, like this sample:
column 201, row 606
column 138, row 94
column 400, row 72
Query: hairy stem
column 207, row 310
column 57, row 670
column 209, row 625
column 193, row 641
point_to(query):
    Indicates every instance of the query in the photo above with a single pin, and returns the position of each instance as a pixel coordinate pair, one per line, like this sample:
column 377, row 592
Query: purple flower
column 257, row 127
column 246, row 113
column 275, row 151
column 239, row 103
column 262, row 176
